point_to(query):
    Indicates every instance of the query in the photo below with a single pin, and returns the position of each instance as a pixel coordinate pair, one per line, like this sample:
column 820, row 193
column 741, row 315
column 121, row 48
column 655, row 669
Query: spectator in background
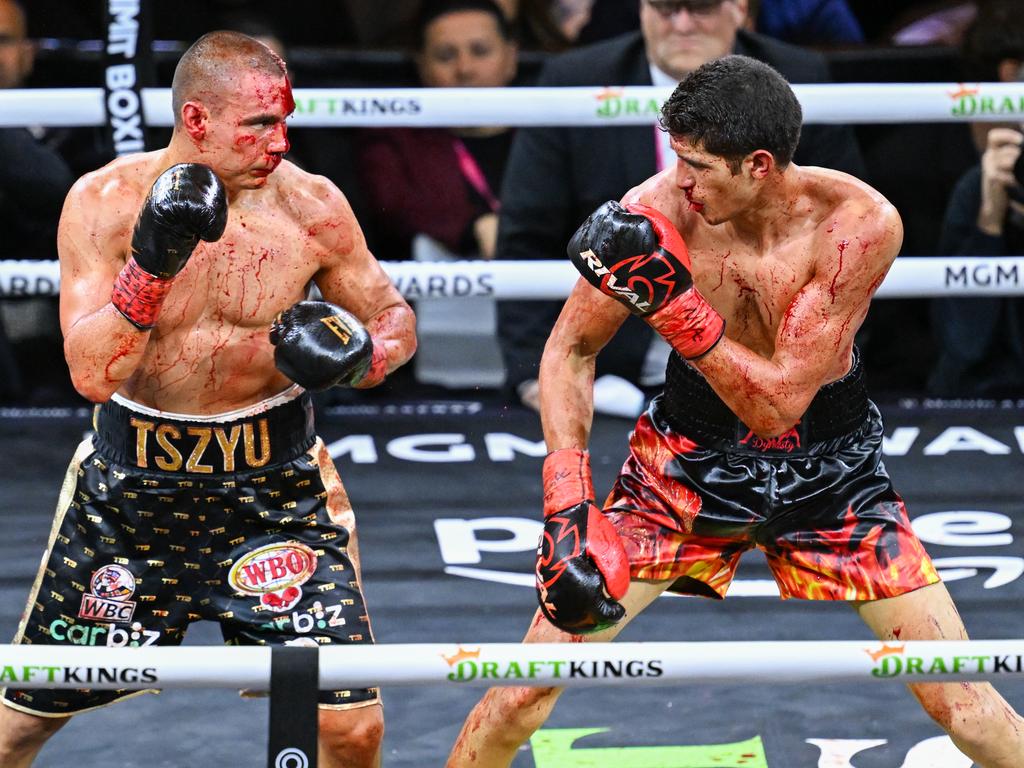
column 444, row 182
column 34, row 180
column 539, row 25
column 981, row 340
column 815, row 23
column 558, row 175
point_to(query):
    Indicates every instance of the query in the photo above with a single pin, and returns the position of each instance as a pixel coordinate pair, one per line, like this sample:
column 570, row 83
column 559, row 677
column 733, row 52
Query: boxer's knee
column 352, row 737
column 23, row 735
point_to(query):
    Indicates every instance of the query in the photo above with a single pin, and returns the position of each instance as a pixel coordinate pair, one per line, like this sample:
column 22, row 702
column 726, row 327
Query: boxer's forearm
column 102, row 350
column 394, row 330
column 764, row 395
column 566, row 397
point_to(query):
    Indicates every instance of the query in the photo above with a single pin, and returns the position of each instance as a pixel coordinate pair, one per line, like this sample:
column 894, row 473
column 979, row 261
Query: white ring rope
column 910, row 277
column 577, row 106
column 530, row 664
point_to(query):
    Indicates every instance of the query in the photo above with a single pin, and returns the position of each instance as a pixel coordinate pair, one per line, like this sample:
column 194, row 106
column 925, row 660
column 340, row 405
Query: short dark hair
column 733, row 106
column 431, row 10
column 996, row 34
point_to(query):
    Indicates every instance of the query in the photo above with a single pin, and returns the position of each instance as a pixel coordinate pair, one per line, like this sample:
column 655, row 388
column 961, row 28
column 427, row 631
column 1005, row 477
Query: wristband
column 567, row 479
column 138, row 295
column 377, row 371
column 689, row 323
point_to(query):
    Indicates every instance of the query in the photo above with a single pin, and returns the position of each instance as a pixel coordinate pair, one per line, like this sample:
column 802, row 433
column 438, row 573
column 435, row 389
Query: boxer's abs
column 211, row 350
column 206, row 372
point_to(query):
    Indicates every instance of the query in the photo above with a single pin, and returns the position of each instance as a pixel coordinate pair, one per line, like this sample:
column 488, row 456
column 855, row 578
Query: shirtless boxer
column 764, row 435
column 205, row 493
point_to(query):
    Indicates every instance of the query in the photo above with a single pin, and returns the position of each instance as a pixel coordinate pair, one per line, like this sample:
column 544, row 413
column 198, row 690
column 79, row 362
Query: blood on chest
column 238, row 282
column 751, row 292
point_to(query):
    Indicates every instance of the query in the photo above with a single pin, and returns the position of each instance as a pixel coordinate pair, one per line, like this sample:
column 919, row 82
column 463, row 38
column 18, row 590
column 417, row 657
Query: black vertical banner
column 127, row 69
column 294, row 684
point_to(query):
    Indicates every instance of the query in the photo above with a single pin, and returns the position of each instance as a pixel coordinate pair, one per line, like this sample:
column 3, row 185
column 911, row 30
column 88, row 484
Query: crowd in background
column 504, row 193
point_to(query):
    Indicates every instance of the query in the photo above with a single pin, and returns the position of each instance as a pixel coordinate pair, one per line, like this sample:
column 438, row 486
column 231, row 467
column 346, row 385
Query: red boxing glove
column 635, row 255
column 580, row 557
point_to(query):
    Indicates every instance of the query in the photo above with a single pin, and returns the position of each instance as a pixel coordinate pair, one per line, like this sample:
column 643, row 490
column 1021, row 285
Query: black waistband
column 155, row 443
column 690, row 407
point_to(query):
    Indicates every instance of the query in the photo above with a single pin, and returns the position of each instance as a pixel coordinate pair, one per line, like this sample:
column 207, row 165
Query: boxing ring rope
column 525, row 664
column 578, row 106
column 914, row 277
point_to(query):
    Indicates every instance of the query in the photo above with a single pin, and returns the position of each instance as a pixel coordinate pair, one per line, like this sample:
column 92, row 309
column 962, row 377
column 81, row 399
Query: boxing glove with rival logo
column 582, row 568
column 319, row 345
column 186, row 204
column 635, row 255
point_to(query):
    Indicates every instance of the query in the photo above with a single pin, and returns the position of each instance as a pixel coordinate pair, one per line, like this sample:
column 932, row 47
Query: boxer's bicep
column 350, row 276
column 91, row 247
column 587, row 322
column 823, row 318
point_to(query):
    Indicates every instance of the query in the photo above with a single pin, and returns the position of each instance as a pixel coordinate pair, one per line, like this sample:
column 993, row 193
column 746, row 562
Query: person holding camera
column 981, row 339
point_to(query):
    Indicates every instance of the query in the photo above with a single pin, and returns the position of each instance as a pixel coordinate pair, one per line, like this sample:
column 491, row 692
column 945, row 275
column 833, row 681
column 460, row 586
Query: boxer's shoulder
column 315, row 203
column 117, row 189
column 661, row 193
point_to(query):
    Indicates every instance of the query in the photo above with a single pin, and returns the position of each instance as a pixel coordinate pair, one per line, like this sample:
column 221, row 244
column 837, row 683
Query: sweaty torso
column 753, row 285
column 210, row 351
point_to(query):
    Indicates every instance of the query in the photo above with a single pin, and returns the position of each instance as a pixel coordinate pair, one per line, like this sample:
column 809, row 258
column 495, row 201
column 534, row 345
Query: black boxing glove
column 319, row 345
column 636, row 256
column 582, row 568
column 186, row 204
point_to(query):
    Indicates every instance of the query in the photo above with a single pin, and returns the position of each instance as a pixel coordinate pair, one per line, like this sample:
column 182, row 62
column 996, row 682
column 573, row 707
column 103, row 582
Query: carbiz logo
column 613, row 103
column 969, row 102
column 467, row 666
column 892, row 661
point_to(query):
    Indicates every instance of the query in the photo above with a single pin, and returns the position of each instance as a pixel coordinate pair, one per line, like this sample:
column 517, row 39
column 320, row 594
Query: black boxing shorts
column 166, row 519
column 699, row 488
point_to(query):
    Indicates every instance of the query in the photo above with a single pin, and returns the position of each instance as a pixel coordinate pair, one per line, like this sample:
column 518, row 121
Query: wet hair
column 431, row 10
column 214, row 60
column 734, row 105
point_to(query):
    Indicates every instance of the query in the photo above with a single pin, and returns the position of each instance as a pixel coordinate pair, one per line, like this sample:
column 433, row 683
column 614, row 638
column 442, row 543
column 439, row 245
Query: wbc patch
column 275, row 573
column 107, row 601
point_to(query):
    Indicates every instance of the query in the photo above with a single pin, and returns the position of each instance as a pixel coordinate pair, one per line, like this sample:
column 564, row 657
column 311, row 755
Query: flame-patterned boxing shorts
column 167, row 519
column 698, row 489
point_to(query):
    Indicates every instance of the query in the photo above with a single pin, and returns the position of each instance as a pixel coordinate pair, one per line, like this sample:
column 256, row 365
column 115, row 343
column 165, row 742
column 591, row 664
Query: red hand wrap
column 377, row 371
column 689, row 324
column 567, row 480
column 139, row 295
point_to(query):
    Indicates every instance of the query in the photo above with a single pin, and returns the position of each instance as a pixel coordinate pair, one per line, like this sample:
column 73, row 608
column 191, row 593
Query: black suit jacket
column 557, row 176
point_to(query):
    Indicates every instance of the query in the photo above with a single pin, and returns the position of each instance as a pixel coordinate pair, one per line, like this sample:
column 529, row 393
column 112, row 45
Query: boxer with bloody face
column 185, row 278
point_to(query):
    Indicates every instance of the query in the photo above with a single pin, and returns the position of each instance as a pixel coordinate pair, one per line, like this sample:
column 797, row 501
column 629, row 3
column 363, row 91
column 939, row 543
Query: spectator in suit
column 34, row 180
column 981, row 340
column 813, row 23
column 558, row 175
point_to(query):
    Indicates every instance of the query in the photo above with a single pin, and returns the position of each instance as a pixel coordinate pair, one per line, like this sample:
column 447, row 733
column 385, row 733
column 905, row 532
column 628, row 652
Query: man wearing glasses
column 557, row 175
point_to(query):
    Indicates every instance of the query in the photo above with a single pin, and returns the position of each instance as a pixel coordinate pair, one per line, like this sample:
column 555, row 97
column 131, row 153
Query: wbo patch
column 275, row 573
